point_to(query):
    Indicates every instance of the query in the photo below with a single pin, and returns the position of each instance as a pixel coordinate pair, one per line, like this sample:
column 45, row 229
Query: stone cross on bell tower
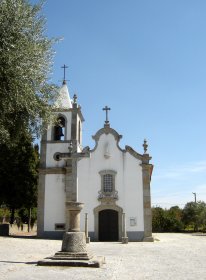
column 64, row 67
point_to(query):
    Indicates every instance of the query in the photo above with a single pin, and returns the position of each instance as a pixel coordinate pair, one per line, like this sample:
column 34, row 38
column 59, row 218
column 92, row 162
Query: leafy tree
column 174, row 216
column 4, row 214
column 190, row 215
column 164, row 220
column 19, row 174
column 158, row 219
column 26, row 57
column 176, row 219
column 202, row 216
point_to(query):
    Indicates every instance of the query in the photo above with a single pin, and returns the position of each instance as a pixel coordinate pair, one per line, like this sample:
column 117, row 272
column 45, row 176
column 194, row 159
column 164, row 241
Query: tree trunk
column 12, row 216
column 29, row 220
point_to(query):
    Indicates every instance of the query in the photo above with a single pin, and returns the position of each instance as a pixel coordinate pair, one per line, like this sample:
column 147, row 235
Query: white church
column 112, row 182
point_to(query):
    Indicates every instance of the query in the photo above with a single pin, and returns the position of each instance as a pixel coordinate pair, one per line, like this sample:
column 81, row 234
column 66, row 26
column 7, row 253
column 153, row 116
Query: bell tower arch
column 59, row 129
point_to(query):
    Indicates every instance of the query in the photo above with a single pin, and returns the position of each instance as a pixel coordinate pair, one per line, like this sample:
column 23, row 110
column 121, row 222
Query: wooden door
column 108, row 225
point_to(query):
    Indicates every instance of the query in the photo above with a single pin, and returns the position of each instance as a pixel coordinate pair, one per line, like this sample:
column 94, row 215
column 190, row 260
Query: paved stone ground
column 175, row 256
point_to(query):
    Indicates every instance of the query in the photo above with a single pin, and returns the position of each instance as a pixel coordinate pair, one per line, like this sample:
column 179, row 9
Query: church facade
column 113, row 183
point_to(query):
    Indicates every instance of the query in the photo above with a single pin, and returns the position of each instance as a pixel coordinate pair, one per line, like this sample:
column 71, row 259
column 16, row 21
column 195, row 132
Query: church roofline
column 61, row 110
column 133, row 152
column 56, row 110
column 108, row 130
column 63, row 100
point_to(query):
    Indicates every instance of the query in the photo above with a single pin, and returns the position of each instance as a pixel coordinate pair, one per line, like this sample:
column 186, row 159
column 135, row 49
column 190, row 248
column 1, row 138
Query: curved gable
column 107, row 130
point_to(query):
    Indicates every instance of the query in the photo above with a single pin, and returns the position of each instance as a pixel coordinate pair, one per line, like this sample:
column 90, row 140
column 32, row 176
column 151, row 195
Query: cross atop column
column 106, row 108
column 73, row 206
column 64, row 67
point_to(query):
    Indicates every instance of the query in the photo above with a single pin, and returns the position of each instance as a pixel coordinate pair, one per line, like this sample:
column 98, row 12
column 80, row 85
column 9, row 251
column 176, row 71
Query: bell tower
column 52, row 173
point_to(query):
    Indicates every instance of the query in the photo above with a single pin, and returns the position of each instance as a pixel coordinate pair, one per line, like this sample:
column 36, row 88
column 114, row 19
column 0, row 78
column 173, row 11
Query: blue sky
column 147, row 61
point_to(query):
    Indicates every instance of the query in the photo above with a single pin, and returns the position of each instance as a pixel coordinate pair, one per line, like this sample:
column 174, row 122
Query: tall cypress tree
column 19, row 174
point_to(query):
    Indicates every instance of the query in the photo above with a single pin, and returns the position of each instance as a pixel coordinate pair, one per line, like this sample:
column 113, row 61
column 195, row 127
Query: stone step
column 72, row 256
column 94, row 262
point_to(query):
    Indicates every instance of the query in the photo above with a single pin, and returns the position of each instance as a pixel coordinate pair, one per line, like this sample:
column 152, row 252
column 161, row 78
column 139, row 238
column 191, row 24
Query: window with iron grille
column 107, row 183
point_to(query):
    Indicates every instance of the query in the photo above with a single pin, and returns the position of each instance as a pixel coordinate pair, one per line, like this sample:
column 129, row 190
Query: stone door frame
column 96, row 219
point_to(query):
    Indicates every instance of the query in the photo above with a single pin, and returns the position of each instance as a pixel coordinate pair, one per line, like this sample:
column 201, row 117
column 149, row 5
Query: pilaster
column 74, row 129
column 146, row 173
column 77, row 118
column 41, row 206
column 41, row 187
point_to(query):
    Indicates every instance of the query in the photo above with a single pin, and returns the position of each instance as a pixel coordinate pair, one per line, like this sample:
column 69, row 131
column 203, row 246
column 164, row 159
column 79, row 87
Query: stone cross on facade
column 73, row 207
column 106, row 108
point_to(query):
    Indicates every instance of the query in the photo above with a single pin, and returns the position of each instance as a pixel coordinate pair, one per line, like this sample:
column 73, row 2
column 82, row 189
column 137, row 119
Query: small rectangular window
column 107, row 183
column 59, row 226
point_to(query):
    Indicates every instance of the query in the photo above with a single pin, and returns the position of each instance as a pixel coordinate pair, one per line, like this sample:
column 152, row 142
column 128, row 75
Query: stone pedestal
column 73, row 251
column 124, row 240
column 148, row 239
column 73, row 210
column 74, row 242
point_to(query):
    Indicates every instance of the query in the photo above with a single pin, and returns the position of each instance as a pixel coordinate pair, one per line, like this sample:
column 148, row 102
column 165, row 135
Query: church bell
column 58, row 132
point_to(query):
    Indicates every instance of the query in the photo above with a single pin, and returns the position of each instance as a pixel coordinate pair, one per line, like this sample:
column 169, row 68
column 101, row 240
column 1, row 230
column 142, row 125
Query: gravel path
column 175, row 256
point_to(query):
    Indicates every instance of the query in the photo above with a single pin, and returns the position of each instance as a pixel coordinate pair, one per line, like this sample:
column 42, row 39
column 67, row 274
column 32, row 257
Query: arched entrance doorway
column 108, row 225
column 103, row 207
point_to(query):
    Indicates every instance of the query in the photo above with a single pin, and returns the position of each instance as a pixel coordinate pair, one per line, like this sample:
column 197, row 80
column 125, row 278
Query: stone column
column 146, row 171
column 86, row 228
column 74, row 240
column 73, row 252
column 124, row 238
column 74, row 209
column 68, row 190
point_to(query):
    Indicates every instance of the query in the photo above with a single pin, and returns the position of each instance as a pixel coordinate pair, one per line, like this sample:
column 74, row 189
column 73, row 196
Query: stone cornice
column 78, row 111
column 133, row 152
column 55, row 142
column 107, row 130
column 57, row 110
column 52, row 170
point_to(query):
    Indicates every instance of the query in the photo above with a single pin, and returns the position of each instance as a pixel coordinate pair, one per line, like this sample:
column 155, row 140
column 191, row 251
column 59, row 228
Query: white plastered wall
column 54, row 211
column 128, row 182
column 53, row 148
